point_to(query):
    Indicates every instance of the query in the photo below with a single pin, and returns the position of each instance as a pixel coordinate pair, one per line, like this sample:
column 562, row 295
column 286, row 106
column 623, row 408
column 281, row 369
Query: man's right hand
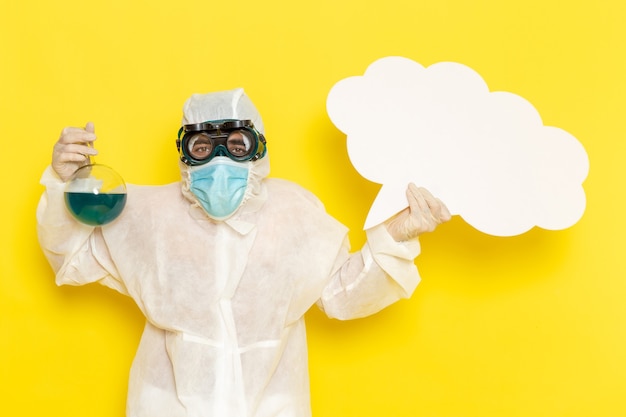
column 72, row 150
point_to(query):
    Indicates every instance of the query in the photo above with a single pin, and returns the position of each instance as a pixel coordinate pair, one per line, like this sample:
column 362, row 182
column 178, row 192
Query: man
column 224, row 265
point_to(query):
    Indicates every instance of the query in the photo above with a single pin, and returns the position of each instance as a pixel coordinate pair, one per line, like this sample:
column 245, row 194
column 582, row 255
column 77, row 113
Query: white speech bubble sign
column 486, row 155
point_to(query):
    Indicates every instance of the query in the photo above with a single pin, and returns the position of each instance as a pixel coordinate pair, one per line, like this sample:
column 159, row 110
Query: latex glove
column 72, row 150
column 423, row 214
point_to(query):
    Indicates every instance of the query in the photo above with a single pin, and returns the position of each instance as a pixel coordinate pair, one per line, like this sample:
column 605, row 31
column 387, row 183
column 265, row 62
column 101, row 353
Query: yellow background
column 531, row 325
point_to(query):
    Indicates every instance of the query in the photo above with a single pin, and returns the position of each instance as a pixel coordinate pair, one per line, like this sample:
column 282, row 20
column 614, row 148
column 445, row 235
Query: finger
column 417, row 202
column 76, row 135
column 434, row 204
column 70, row 157
column 80, row 148
column 436, row 208
column 73, row 153
column 427, row 196
column 89, row 127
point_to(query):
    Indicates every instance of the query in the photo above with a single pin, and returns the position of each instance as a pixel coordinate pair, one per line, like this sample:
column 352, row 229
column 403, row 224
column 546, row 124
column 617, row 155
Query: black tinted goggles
column 237, row 139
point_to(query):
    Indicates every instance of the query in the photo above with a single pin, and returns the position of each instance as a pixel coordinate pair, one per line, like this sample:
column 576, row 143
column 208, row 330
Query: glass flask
column 95, row 195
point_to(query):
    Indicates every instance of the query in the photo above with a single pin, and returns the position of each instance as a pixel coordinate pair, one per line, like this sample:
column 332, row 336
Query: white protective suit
column 224, row 301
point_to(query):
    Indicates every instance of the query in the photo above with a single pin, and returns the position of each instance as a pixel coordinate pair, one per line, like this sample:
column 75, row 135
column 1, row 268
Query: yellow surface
column 532, row 325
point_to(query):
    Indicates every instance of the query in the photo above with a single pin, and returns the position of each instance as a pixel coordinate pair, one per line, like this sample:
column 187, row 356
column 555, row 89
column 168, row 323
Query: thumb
column 89, row 127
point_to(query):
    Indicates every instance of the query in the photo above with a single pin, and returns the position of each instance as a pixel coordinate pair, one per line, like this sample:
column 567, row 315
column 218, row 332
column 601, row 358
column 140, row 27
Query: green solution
column 95, row 209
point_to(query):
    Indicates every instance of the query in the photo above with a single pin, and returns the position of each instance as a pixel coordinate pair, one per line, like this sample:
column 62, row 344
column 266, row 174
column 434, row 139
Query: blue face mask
column 220, row 186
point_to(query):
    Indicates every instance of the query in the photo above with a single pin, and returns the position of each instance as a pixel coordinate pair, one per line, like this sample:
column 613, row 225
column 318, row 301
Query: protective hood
column 230, row 104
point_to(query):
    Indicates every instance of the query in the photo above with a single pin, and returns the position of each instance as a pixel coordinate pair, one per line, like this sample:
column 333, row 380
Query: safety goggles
column 237, row 139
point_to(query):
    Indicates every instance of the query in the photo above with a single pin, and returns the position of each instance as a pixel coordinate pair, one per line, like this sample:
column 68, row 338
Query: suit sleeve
column 367, row 281
column 77, row 252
